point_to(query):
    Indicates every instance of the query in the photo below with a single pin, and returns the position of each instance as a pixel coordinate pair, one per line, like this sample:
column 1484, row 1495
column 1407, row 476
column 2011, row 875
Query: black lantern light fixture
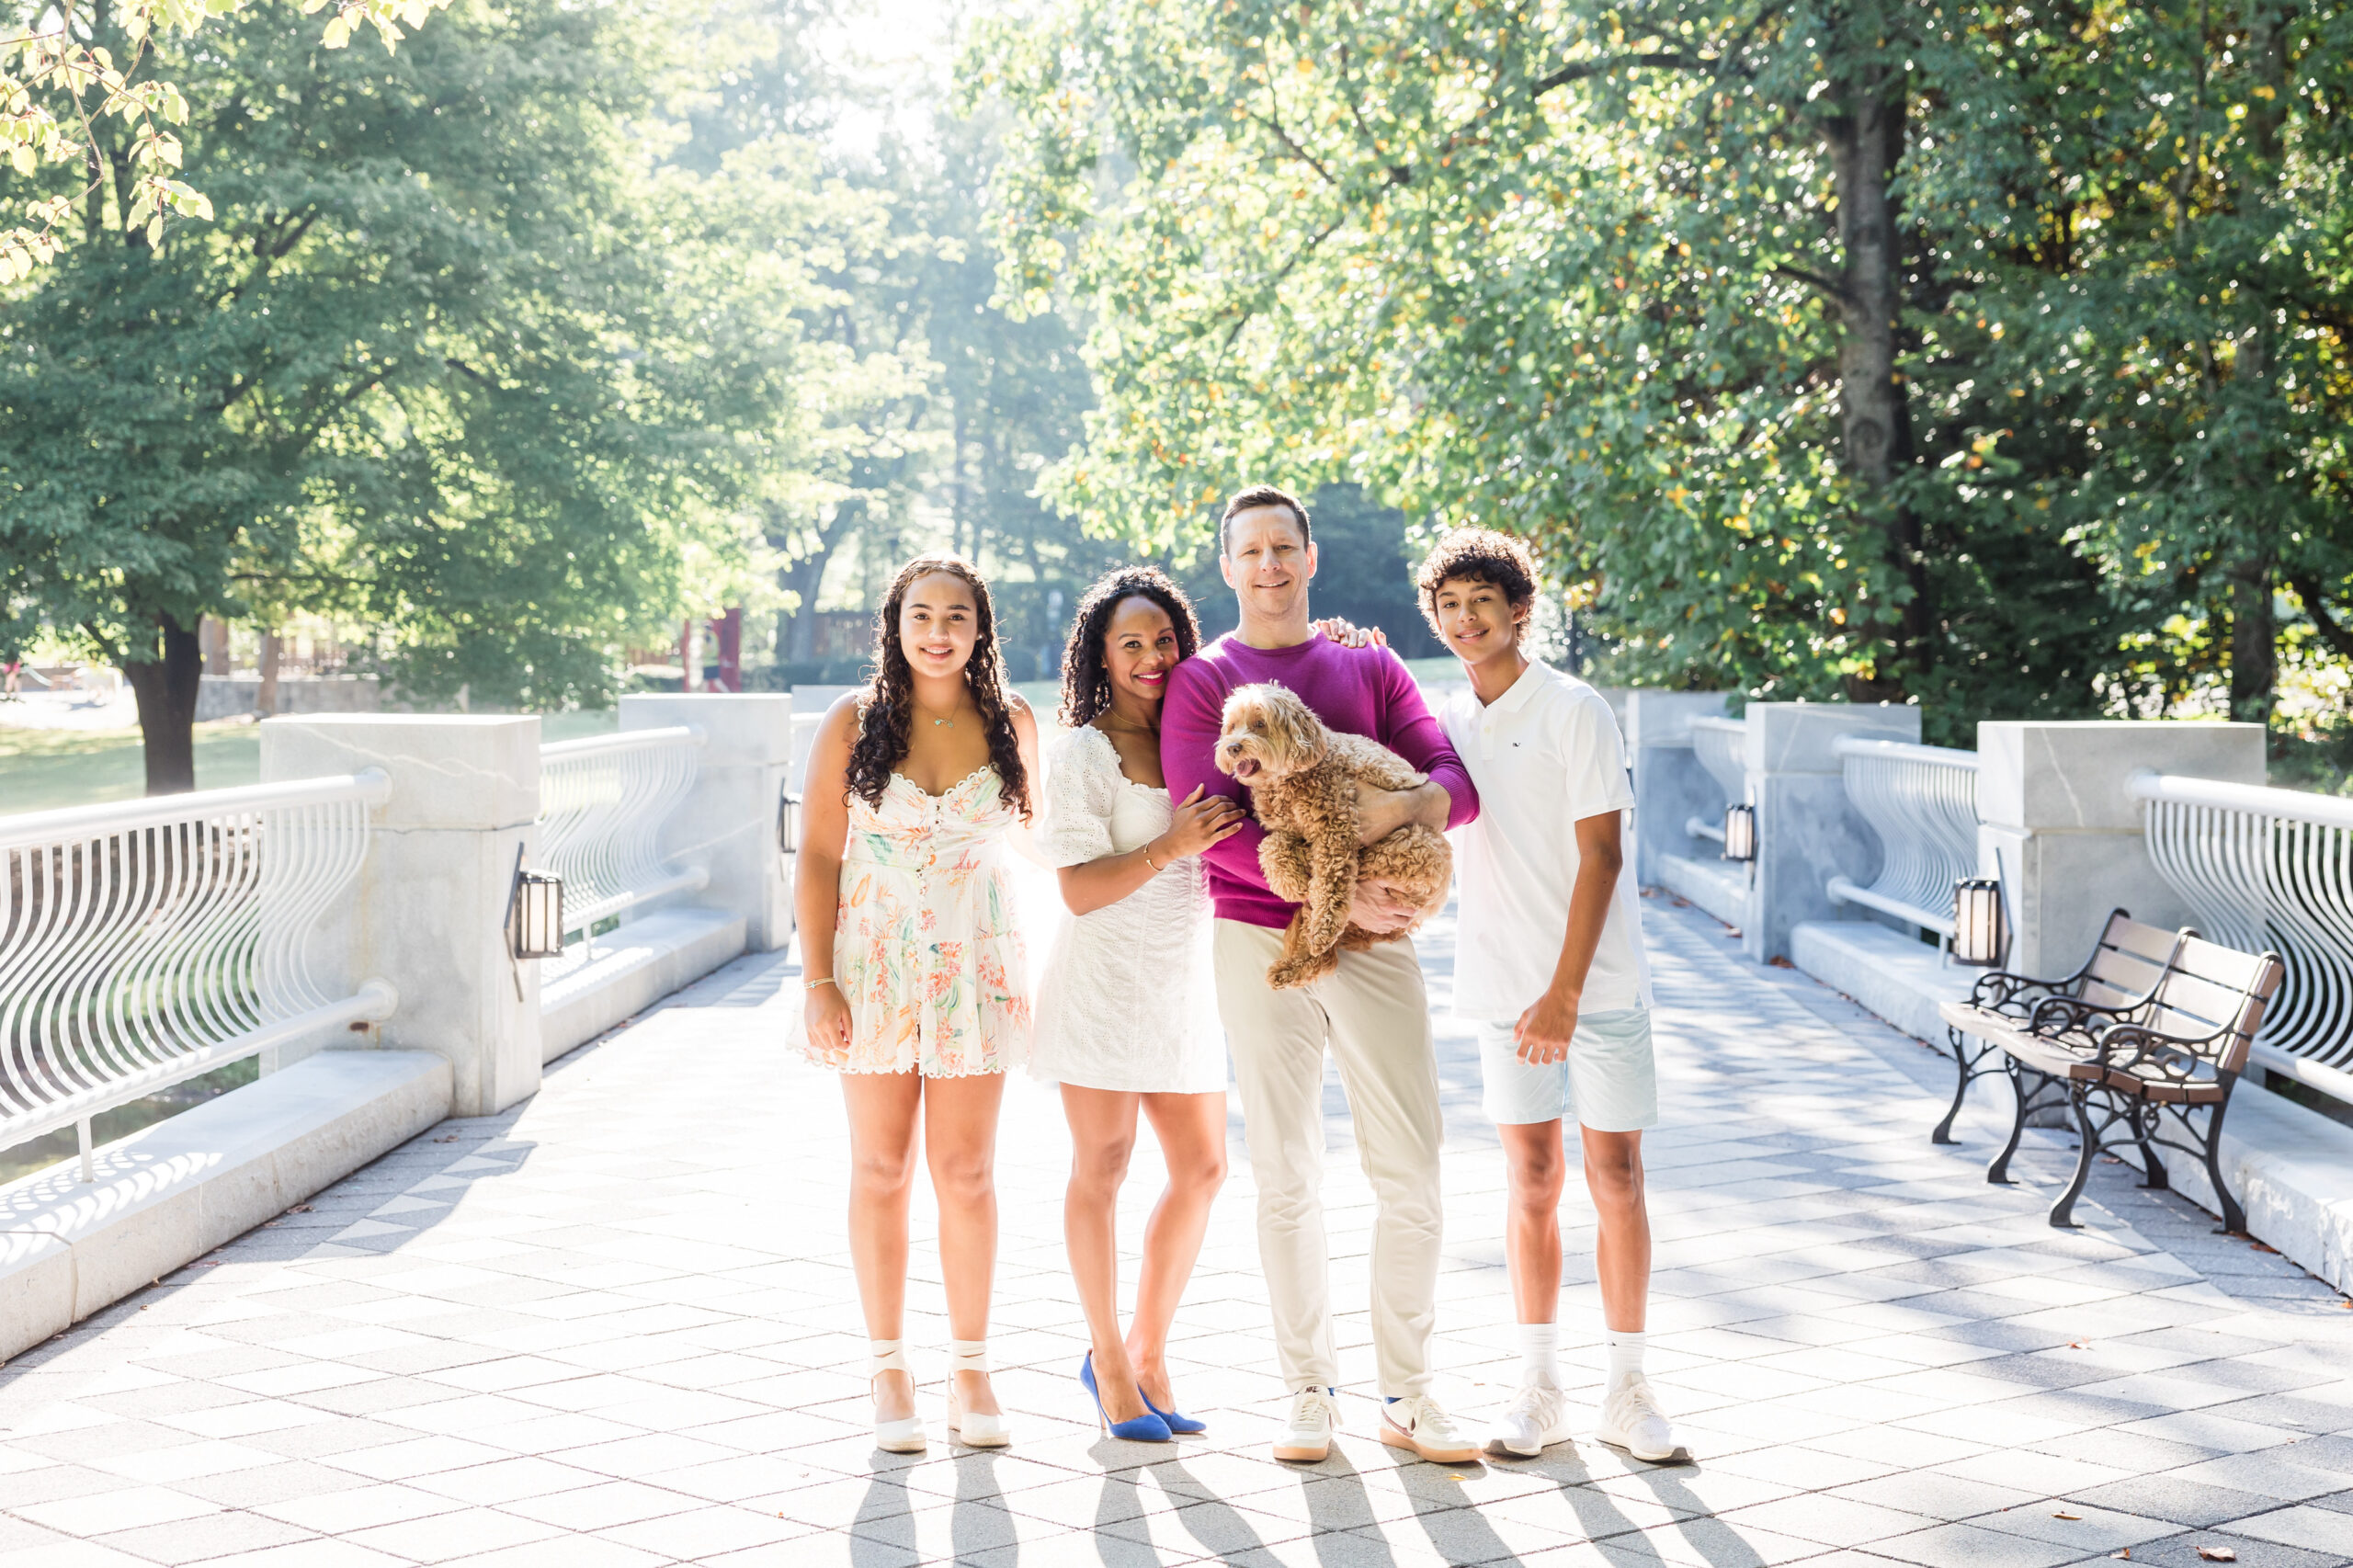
column 1740, row 832
column 1980, row 924
column 788, row 822
column 534, row 913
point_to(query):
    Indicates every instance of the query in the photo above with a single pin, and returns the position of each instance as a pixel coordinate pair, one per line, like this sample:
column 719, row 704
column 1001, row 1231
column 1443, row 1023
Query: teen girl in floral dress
column 920, row 1002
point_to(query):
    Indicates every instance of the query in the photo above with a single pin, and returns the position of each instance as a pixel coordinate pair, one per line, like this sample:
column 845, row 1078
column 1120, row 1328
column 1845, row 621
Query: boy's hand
column 1545, row 1030
column 1380, row 812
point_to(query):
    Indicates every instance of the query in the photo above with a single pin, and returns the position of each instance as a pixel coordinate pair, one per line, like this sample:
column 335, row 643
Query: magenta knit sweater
column 1364, row 691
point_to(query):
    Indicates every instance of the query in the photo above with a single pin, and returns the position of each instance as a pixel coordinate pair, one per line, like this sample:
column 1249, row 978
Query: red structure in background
column 728, row 631
column 726, row 634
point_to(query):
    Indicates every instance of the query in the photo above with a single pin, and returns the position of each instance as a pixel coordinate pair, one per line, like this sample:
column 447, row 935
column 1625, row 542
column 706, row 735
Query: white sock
column 1625, row 1355
column 1537, row 1369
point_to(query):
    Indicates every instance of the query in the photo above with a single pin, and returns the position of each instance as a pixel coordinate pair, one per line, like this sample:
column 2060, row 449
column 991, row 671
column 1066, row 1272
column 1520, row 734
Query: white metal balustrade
column 2272, row 868
column 1721, row 747
column 602, row 803
column 147, row 943
column 1922, row 802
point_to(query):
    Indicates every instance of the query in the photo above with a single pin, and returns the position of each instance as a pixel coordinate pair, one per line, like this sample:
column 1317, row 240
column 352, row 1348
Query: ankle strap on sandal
column 969, row 1355
column 885, row 1356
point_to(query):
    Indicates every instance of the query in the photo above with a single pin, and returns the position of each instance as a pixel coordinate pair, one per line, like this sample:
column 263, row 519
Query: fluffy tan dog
column 1302, row 781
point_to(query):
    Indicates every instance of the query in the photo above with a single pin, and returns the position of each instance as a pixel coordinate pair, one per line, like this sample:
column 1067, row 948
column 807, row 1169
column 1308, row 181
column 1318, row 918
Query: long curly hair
column 886, row 713
column 1087, row 683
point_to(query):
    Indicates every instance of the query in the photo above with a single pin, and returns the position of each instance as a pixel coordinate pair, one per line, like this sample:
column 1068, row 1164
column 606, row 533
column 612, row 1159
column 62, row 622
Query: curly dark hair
column 887, row 710
column 1477, row 555
column 1087, row 686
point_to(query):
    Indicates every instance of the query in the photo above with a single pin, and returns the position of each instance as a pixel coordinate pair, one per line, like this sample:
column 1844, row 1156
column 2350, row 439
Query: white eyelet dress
column 926, row 949
column 1127, row 1000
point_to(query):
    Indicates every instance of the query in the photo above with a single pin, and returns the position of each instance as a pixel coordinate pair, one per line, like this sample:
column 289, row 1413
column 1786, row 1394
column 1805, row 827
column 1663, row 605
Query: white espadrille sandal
column 974, row 1428
column 904, row 1436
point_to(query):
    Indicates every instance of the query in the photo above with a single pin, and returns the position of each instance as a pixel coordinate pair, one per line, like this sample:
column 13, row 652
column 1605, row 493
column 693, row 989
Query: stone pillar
column 2060, row 827
column 1806, row 831
column 429, row 912
column 1670, row 786
column 727, row 824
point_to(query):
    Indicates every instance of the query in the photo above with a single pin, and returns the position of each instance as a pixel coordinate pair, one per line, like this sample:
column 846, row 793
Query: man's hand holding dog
column 1380, row 812
column 1544, row 1030
column 1379, row 907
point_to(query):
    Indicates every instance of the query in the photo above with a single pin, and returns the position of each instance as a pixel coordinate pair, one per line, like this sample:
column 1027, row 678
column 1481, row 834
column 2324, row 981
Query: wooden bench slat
column 2221, row 965
column 2153, row 943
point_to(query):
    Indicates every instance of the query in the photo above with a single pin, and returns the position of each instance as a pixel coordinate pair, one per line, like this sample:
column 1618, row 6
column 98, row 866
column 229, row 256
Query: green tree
column 2149, row 352
column 1699, row 295
column 406, row 378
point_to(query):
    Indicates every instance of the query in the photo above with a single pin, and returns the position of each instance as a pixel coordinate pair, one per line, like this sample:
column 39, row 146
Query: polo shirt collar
column 1521, row 690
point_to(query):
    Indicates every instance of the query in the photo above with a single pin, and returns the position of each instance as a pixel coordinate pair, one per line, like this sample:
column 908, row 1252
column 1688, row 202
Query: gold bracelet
column 812, row 985
column 1147, row 859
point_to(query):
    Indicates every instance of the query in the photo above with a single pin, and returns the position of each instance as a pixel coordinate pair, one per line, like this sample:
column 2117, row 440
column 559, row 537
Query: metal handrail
column 2269, row 868
column 371, row 786
column 602, row 803
column 143, row 944
column 1921, row 802
column 623, row 741
column 1721, row 747
column 1902, row 750
column 2288, row 805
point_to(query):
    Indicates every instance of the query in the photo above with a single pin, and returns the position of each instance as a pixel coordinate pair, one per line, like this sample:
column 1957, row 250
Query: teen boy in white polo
column 1548, row 962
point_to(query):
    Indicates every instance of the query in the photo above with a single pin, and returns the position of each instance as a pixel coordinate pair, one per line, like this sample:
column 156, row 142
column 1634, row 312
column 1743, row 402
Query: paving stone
column 586, row 1332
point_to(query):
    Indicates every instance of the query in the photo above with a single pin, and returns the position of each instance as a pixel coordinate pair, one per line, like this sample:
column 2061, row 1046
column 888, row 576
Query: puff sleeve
column 1082, row 788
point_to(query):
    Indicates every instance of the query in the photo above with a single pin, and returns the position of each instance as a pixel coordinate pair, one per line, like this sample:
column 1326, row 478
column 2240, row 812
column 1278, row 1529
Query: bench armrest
column 2059, row 1015
column 2002, row 992
column 2135, row 1048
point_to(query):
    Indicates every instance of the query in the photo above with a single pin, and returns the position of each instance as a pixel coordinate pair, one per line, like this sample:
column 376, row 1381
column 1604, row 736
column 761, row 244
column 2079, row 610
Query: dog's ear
column 1294, row 726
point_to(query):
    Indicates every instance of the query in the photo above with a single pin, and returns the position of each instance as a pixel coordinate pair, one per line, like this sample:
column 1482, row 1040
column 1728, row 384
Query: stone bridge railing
column 347, row 923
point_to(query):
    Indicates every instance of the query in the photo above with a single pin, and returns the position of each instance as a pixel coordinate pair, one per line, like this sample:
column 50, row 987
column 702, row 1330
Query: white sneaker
column 1417, row 1422
column 1536, row 1418
column 1632, row 1420
column 1306, row 1436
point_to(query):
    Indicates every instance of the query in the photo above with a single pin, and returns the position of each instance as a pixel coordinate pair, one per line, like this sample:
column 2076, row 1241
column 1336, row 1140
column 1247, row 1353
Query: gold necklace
column 1111, row 720
column 949, row 720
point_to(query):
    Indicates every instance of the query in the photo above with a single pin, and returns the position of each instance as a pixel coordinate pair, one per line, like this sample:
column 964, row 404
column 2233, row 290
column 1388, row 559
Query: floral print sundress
column 926, row 949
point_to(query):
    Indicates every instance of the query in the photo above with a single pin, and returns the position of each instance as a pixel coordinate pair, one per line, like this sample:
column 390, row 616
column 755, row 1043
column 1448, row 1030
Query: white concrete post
column 1670, row 786
column 2058, row 825
column 430, row 912
column 1807, row 831
column 727, row 824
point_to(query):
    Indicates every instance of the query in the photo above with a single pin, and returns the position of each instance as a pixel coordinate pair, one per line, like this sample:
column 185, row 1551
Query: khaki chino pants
column 1374, row 1015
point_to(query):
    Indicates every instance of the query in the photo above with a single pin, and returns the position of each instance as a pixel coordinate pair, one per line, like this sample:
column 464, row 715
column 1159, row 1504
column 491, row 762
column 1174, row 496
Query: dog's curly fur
column 1302, row 781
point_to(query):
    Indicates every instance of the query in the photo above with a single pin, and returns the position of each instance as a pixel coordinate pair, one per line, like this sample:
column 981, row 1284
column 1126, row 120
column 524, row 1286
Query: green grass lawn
column 43, row 769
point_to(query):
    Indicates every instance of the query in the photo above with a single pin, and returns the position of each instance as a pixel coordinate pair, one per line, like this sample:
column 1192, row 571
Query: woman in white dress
column 1126, row 1015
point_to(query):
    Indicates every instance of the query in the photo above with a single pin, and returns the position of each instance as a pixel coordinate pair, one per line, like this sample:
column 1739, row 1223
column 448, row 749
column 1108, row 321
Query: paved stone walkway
column 616, row 1326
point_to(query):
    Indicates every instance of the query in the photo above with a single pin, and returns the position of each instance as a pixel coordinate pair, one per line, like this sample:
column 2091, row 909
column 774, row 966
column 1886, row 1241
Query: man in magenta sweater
column 1371, row 1012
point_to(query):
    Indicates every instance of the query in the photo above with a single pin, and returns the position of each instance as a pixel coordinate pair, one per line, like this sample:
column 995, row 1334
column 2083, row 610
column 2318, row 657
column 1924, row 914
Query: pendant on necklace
column 950, row 722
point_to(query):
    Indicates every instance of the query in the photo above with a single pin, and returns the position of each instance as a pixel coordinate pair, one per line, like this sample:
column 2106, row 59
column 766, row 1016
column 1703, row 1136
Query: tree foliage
column 406, row 378
column 1817, row 342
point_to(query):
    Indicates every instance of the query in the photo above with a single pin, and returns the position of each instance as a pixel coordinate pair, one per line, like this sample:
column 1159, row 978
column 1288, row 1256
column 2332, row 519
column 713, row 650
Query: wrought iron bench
column 2125, row 966
column 2157, row 1023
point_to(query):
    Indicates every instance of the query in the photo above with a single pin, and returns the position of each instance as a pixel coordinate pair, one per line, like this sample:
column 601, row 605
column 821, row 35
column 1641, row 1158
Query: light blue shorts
column 1609, row 1082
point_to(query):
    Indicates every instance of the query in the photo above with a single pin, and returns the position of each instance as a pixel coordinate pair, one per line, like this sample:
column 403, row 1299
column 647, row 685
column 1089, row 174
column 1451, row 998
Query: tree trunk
column 265, row 700
column 806, row 576
column 2255, row 630
column 166, row 691
column 2254, row 642
column 1875, row 421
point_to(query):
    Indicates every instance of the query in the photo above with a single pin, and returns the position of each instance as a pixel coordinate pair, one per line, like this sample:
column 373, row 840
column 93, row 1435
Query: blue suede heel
column 1145, row 1428
column 1179, row 1422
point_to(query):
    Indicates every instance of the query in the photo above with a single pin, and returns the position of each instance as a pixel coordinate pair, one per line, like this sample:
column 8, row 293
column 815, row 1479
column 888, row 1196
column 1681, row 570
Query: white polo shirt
column 1545, row 754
